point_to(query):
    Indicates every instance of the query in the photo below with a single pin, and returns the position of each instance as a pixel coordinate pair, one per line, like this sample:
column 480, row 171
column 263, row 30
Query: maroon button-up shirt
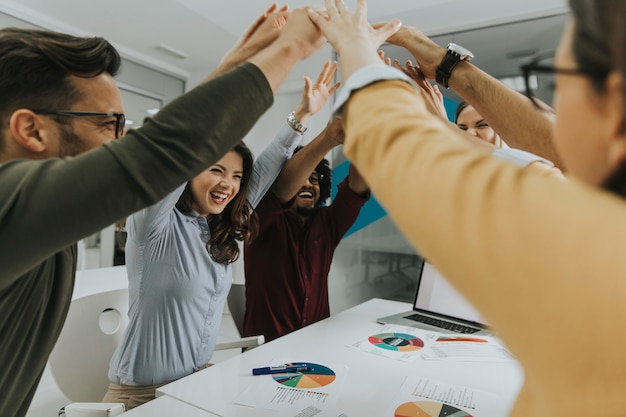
column 287, row 265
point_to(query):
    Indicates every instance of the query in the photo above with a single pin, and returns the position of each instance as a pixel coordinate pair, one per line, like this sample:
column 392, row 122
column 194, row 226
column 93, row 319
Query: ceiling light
column 172, row 51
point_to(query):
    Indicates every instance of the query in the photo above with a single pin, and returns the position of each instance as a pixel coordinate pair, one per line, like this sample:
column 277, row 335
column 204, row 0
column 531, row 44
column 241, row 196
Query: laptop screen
column 436, row 295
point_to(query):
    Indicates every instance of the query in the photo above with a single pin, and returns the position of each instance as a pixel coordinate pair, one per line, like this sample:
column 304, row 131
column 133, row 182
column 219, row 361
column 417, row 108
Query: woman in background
column 468, row 119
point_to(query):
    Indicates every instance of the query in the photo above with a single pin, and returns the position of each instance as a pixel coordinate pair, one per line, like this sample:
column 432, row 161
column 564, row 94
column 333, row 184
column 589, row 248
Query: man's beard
column 305, row 211
column 69, row 142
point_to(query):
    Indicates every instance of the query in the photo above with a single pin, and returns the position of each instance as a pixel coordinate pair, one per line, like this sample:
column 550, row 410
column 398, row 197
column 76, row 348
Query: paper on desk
column 467, row 348
column 313, row 411
column 402, row 343
column 426, row 397
column 294, row 392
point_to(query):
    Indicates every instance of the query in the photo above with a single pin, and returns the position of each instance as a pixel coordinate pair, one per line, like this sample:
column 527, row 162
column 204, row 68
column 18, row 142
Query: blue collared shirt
column 177, row 291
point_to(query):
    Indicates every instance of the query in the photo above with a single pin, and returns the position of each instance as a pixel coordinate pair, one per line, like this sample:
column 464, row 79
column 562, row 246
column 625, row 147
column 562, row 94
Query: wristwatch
column 454, row 54
column 295, row 123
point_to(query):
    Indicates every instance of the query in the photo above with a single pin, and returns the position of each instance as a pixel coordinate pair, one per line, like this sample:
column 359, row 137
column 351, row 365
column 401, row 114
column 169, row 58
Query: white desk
column 167, row 407
column 372, row 381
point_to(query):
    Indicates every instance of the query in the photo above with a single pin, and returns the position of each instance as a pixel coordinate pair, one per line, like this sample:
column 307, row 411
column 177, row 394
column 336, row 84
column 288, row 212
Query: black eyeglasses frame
column 533, row 66
column 120, row 118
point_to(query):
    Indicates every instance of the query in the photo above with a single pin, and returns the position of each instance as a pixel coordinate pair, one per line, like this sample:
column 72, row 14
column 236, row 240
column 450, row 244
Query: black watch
column 454, row 54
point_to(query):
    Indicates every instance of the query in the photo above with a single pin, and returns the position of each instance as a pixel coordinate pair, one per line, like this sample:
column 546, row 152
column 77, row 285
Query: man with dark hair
column 298, row 235
column 58, row 101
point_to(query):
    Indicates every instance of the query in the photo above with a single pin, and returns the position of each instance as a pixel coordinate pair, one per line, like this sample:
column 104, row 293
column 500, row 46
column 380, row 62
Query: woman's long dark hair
column 236, row 223
column 599, row 47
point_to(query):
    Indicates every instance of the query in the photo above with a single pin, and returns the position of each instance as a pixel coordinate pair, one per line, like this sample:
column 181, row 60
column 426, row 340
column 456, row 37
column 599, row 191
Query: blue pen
column 279, row 369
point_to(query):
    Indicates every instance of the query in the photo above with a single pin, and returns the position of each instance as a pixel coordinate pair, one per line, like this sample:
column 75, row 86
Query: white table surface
column 167, row 407
column 372, row 381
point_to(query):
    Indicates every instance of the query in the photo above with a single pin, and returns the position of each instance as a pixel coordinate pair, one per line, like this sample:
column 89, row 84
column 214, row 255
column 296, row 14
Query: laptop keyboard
column 455, row 327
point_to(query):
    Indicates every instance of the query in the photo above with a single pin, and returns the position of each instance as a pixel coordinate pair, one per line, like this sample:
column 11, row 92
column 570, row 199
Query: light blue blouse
column 177, row 291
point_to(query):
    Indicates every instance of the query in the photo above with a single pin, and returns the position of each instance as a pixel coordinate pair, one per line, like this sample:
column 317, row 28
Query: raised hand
column 433, row 96
column 316, row 95
column 354, row 39
column 263, row 31
column 301, row 31
column 334, row 131
column 423, row 49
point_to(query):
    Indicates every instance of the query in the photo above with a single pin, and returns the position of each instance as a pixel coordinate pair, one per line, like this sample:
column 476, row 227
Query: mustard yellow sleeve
column 541, row 258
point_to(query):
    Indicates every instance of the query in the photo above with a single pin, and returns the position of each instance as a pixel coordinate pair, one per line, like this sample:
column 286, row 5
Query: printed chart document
column 312, row 411
column 423, row 397
column 467, row 348
column 393, row 341
column 318, row 387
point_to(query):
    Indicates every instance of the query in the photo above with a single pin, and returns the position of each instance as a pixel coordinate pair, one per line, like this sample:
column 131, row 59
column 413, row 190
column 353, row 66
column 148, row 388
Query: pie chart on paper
column 428, row 409
column 399, row 342
column 317, row 376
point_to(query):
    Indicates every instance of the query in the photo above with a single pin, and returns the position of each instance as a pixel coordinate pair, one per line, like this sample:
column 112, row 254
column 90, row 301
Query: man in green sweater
column 63, row 177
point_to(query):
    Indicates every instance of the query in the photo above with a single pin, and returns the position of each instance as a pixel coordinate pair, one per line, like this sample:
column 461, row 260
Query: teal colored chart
column 317, row 376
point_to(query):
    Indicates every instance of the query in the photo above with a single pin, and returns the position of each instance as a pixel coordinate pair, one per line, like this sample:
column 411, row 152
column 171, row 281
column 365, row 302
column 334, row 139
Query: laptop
column 439, row 307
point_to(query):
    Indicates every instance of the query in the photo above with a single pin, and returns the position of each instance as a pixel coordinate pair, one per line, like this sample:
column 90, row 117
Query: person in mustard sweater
column 562, row 237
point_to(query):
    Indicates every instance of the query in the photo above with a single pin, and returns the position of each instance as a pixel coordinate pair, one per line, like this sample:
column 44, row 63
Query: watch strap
column 444, row 70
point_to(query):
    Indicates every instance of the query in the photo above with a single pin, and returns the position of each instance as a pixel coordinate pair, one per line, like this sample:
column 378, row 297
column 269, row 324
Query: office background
column 374, row 260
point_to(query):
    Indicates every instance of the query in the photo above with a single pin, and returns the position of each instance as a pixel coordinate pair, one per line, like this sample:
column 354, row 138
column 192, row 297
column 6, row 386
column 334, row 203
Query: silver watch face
column 464, row 53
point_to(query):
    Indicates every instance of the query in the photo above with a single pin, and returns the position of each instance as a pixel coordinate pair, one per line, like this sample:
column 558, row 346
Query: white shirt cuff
column 519, row 157
column 364, row 77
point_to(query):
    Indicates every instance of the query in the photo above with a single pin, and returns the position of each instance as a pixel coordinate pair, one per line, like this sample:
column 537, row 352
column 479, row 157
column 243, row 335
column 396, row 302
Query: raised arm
column 510, row 113
column 299, row 167
column 268, row 165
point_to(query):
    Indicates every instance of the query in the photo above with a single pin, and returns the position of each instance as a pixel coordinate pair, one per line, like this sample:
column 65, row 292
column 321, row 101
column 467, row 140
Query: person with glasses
column 179, row 256
column 541, row 259
column 63, row 176
column 298, row 235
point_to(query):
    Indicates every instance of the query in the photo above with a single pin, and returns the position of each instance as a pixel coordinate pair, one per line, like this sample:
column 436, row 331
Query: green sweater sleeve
column 47, row 205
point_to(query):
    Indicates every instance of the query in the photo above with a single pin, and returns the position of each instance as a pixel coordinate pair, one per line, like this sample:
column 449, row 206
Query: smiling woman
column 219, row 195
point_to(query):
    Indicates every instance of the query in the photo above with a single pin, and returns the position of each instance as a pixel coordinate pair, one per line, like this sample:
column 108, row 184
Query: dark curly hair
column 35, row 66
column 236, row 223
column 326, row 179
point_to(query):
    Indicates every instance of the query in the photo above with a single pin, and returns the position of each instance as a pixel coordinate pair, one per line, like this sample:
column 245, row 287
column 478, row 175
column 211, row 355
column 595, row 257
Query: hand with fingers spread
column 431, row 92
column 263, row 31
column 351, row 35
column 423, row 49
column 316, row 95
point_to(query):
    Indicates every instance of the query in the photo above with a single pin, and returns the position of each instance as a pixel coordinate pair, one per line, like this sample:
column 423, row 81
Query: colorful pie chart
column 400, row 342
column 428, row 409
column 317, row 376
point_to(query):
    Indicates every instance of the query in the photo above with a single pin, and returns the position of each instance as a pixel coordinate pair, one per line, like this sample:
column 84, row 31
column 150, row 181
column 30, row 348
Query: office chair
column 95, row 324
column 80, row 359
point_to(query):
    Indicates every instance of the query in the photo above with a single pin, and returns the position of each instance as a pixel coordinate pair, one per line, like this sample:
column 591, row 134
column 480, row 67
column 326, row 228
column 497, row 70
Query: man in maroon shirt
column 287, row 264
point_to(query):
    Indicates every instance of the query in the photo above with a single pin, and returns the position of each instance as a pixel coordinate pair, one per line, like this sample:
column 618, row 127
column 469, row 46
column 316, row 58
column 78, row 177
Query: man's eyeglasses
column 543, row 64
column 120, row 118
column 315, row 178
